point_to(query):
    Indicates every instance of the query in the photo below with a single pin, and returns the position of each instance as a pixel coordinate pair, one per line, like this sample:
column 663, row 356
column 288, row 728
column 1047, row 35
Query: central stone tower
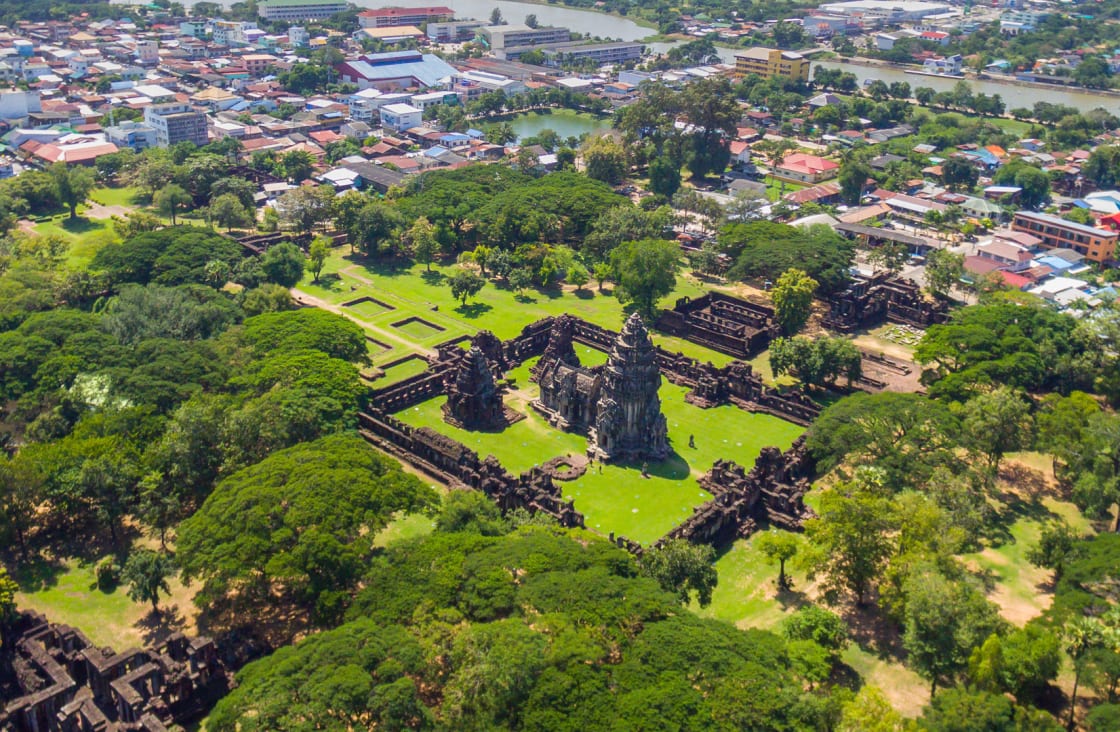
column 629, row 425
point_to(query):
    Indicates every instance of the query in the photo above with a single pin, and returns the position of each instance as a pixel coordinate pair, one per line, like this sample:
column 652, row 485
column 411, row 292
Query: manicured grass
column 619, row 499
column 1012, row 126
column 85, row 236
column 406, row 527
column 124, row 196
column 775, row 188
column 402, row 371
column 411, row 291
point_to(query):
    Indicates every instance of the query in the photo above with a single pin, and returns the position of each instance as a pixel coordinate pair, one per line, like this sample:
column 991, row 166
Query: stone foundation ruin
column 53, row 679
column 869, row 301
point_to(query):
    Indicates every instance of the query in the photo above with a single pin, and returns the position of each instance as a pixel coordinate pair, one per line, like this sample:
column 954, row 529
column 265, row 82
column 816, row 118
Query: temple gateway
column 616, row 405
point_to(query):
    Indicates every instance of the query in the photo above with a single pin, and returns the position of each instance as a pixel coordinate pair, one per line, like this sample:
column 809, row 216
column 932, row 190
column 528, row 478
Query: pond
column 564, row 122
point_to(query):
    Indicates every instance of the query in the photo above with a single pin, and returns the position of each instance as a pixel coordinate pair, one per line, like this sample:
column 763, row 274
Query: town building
column 300, row 9
column 135, row 135
column 600, row 53
column 397, row 70
column 383, row 17
column 1057, row 233
column 298, row 37
column 176, row 122
column 767, row 62
column 805, row 168
column 401, row 117
column 456, row 30
column 885, row 12
column 503, row 38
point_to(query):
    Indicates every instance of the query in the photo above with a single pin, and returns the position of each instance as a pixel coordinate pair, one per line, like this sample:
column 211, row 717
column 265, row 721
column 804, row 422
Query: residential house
column 805, row 168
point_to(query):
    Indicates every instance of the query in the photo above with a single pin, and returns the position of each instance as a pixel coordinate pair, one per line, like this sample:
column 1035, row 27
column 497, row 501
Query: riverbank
column 972, row 77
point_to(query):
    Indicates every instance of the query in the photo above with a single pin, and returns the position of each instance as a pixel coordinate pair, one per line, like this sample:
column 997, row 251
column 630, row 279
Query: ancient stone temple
column 629, row 425
column 474, row 399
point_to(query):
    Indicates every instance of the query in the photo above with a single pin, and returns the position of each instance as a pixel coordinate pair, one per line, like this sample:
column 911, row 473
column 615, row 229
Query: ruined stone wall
column 55, row 680
column 869, row 301
column 457, row 465
column 724, row 323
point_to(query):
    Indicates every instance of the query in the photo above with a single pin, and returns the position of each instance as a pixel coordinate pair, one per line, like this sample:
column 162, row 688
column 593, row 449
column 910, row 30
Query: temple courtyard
column 619, row 499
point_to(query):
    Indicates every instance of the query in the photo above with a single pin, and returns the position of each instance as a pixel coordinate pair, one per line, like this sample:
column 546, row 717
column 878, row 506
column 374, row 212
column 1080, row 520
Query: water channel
column 610, row 26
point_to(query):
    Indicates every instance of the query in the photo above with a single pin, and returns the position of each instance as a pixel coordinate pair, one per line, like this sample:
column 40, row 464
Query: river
column 611, row 26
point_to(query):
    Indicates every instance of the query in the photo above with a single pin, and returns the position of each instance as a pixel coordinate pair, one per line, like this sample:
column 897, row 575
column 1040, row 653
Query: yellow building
column 767, row 62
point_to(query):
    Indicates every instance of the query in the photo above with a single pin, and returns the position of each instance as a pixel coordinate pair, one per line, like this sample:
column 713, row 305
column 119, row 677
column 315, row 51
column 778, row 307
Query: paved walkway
column 304, row 298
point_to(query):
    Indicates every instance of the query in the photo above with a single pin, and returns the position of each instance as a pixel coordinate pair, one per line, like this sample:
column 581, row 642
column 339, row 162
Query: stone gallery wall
column 772, row 490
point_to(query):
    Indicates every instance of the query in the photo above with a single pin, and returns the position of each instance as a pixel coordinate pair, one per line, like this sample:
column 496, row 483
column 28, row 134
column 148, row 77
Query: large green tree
column 74, row 184
column 792, row 296
column 305, row 516
column 645, row 271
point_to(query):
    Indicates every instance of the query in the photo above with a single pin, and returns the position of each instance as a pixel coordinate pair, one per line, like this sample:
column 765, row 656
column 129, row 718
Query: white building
column 298, row 36
column 135, row 135
column 300, row 9
column 401, row 117
column 879, row 12
column 19, row 104
column 147, row 52
column 231, row 32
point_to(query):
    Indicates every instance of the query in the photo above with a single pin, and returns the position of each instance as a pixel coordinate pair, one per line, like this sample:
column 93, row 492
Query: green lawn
column 619, row 499
column 412, row 292
column 124, row 196
column 775, row 188
column 85, row 236
column 70, row 595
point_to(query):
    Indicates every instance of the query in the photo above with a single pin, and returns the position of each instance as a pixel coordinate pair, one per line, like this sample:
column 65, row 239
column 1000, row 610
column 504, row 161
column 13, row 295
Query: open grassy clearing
column 69, row 594
column 1025, row 505
column 403, row 293
column 748, row 597
column 619, row 499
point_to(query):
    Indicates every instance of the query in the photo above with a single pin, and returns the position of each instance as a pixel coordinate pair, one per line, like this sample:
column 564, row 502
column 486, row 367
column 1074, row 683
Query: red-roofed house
column 805, row 168
column 1018, row 281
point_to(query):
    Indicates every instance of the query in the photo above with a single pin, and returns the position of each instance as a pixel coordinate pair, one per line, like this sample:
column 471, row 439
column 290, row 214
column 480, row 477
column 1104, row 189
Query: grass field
column 124, row 196
column 411, row 292
column 775, row 188
column 619, row 499
column 69, row 594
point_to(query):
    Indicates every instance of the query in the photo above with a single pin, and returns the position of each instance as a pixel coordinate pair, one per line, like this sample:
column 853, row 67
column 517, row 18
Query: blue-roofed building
column 397, row 70
column 1057, row 264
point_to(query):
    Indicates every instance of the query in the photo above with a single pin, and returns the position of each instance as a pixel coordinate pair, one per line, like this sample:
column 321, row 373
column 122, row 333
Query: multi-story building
column 455, row 30
column 147, row 52
column 1014, row 22
column 300, row 9
column 384, row 17
column 767, row 62
column 176, row 122
column 258, row 63
column 194, row 27
column 502, row 37
column 135, row 135
column 1056, row 233
column 231, row 32
column 600, row 53
column 885, row 12
column 401, row 117
column 298, row 37
column 471, row 84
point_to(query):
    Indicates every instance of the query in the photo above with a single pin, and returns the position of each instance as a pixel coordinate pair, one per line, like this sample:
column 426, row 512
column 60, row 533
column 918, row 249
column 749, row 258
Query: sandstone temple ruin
column 615, row 405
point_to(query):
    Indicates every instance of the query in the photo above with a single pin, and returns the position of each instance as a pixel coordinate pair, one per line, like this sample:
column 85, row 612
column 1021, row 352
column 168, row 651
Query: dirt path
column 304, row 298
column 98, row 211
